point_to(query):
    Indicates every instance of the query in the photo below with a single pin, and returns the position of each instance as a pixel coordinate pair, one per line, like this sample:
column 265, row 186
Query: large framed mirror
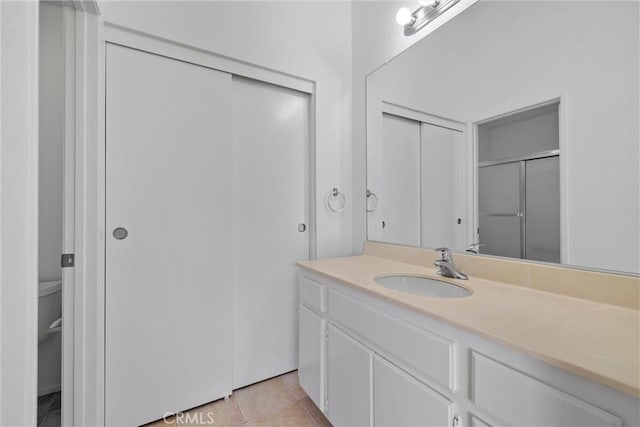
column 513, row 130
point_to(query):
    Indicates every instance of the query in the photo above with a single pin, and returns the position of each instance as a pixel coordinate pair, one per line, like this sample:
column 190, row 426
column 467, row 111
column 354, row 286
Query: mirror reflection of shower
column 519, row 184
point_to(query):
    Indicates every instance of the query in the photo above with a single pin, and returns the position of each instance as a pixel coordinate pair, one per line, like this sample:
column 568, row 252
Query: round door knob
column 302, row 227
column 120, row 233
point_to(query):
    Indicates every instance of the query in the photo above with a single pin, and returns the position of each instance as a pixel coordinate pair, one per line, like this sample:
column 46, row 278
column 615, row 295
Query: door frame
column 19, row 53
column 92, row 34
column 563, row 148
column 68, row 211
column 81, row 27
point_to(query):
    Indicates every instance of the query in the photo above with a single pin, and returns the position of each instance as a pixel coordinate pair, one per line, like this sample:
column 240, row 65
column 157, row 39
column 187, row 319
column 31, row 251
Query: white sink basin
column 424, row 286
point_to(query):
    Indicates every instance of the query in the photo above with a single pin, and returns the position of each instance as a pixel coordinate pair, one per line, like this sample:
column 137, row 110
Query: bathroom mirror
column 515, row 126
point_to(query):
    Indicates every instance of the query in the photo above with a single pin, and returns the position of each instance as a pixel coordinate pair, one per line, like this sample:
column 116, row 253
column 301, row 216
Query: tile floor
column 276, row 402
column 49, row 414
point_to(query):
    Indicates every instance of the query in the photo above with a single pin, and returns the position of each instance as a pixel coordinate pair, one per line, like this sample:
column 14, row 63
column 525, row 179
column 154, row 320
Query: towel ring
column 335, row 201
column 372, row 196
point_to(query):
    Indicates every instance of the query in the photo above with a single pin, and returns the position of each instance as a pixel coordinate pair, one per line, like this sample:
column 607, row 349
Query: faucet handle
column 445, row 253
column 473, row 247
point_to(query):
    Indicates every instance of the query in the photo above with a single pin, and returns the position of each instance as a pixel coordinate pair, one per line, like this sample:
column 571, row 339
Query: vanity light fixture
column 404, row 16
column 419, row 18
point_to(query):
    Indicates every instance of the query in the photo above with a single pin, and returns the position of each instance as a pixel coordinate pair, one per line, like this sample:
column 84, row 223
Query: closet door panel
column 270, row 202
column 441, row 183
column 168, row 281
column 399, row 195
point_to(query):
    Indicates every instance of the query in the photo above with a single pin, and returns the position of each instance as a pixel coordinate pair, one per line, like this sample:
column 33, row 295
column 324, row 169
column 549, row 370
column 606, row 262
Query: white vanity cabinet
column 367, row 361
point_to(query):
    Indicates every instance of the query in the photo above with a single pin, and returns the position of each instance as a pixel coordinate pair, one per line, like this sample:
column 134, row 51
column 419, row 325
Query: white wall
column 472, row 71
column 18, row 212
column 307, row 39
column 52, row 104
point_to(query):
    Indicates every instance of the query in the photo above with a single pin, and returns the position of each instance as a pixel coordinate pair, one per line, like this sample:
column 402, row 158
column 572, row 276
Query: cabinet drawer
column 424, row 353
column 311, row 293
column 520, row 399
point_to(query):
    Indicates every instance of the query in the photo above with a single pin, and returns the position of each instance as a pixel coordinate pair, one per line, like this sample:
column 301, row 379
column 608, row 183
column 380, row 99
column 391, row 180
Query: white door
column 168, row 283
column 441, row 181
column 399, row 197
column 270, row 226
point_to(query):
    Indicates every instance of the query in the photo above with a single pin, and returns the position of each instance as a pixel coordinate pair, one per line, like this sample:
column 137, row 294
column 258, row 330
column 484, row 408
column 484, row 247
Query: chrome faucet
column 446, row 267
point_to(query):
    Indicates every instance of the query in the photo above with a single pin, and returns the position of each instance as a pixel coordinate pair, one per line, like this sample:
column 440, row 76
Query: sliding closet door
column 270, row 225
column 441, row 183
column 168, row 234
column 399, row 195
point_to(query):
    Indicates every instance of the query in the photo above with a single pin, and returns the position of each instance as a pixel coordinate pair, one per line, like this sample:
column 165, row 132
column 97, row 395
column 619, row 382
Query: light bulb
column 403, row 16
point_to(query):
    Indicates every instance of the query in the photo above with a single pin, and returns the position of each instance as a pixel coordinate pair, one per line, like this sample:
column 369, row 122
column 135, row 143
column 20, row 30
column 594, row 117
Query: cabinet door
column 310, row 369
column 401, row 400
column 348, row 380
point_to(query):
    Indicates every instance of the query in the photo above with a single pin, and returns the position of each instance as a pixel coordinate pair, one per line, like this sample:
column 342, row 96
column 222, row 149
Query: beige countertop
column 591, row 339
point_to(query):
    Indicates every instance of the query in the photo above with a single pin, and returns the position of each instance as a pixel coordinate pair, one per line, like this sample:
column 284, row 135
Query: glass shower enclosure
column 519, row 185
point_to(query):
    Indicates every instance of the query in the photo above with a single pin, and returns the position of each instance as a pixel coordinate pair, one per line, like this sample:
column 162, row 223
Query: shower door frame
column 522, row 165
